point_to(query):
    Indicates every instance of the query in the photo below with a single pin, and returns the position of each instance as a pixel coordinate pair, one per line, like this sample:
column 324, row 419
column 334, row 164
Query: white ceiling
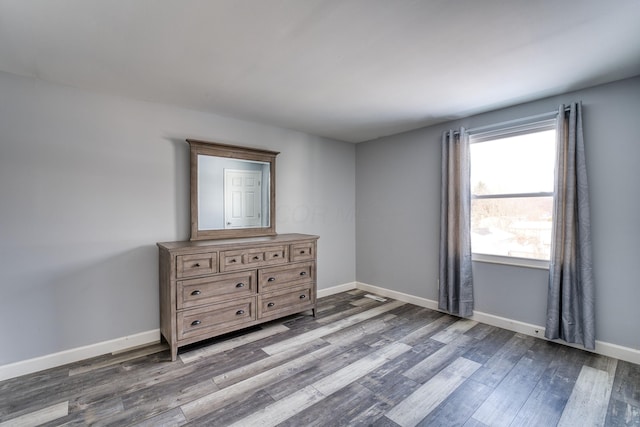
column 352, row 70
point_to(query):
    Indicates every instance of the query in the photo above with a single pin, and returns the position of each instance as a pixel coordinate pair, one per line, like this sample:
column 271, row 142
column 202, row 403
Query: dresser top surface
column 244, row 241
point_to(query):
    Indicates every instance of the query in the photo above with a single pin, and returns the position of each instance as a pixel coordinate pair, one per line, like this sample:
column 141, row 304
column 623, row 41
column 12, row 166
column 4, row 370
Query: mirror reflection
column 233, row 191
column 240, row 187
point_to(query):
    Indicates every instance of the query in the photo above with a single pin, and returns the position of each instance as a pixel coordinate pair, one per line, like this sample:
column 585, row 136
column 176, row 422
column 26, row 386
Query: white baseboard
column 48, row 361
column 604, row 348
column 400, row 296
column 336, row 289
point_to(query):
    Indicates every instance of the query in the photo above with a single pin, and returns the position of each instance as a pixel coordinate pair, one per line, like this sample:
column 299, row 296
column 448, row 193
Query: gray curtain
column 456, row 279
column 570, row 300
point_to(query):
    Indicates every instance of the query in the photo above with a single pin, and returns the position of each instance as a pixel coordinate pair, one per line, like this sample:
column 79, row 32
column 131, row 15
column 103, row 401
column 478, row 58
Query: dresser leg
column 313, row 311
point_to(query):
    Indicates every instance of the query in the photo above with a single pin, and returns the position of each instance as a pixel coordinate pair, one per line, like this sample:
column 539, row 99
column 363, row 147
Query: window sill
column 511, row 261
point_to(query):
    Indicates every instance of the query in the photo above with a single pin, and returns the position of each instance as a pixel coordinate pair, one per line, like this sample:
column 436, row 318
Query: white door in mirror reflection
column 242, row 198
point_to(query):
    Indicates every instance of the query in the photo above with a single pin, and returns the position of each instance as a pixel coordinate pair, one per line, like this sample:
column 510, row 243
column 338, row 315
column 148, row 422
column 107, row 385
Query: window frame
column 508, row 132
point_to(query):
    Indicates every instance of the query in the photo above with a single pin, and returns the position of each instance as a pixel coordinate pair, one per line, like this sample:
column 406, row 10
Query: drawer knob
column 301, row 252
column 197, row 264
column 239, row 312
column 271, row 304
column 240, row 285
column 275, row 255
column 232, row 260
column 303, row 296
column 196, row 292
column 256, row 257
column 303, row 273
column 195, row 323
column 271, row 279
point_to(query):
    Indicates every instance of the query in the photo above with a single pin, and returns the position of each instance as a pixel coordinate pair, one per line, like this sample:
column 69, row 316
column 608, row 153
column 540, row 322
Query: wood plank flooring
column 360, row 362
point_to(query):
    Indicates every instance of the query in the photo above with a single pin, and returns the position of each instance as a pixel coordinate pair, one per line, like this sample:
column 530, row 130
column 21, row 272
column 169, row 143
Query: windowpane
column 517, row 164
column 517, row 227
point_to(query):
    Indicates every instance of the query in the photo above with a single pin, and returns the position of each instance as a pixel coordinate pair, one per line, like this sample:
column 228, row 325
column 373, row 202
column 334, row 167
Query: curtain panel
column 570, row 298
column 456, row 278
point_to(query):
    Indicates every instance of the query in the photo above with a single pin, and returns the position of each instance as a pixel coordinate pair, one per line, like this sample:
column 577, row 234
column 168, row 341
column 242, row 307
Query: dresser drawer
column 303, row 251
column 252, row 258
column 285, row 301
column 207, row 290
column 215, row 317
column 290, row 275
column 196, row 264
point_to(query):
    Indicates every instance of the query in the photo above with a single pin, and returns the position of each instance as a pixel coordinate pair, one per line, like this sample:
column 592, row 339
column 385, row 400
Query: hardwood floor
column 360, row 362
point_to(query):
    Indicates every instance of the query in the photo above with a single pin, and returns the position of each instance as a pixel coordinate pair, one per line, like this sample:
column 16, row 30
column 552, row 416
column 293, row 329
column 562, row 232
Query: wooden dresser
column 211, row 287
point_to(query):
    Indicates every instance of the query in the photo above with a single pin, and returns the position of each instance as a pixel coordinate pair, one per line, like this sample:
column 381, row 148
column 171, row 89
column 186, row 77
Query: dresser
column 212, row 287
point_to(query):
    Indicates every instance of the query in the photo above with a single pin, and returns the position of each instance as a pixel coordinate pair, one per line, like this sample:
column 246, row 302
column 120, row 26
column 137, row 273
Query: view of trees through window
column 512, row 194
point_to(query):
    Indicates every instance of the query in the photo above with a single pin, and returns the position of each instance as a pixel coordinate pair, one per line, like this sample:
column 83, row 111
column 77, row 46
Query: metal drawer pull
column 271, row 304
column 240, row 285
column 303, row 273
column 256, row 257
column 232, row 260
column 275, row 255
column 271, row 279
column 301, row 252
column 196, row 292
column 239, row 312
column 303, row 296
column 195, row 323
column 197, row 264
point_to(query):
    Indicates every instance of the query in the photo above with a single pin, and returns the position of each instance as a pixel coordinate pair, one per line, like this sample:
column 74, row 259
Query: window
column 512, row 176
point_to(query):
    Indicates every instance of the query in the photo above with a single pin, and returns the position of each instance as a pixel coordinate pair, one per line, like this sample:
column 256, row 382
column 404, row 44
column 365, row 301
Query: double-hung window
column 512, row 180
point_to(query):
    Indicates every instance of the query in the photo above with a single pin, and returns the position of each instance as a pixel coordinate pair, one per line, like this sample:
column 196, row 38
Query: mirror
column 232, row 191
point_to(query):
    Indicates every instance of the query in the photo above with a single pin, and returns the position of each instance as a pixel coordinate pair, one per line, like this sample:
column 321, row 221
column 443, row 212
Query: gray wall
column 397, row 214
column 89, row 183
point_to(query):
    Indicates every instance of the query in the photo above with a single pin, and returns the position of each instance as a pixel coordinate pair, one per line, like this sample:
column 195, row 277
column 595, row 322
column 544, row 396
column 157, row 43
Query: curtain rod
column 541, row 116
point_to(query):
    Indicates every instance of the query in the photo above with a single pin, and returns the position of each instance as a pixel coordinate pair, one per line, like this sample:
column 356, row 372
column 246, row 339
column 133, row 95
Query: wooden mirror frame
column 233, row 152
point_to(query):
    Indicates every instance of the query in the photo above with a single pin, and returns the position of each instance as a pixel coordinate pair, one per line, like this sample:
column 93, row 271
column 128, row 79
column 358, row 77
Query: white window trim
column 504, row 132
column 540, row 264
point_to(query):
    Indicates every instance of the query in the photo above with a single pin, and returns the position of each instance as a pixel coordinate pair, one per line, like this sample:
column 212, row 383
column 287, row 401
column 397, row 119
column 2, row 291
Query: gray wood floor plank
column 589, row 399
column 501, row 363
column 355, row 332
column 480, row 331
column 451, row 332
column 317, row 370
column 458, row 407
column 166, row 379
column 173, row 417
column 621, row 413
column 41, row 416
column 119, row 358
column 335, row 410
column 249, row 370
column 159, row 399
column 241, row 407
column 388, row 382
column 430, row 328
column 222, row 346
column 624, row 407
column 550, row 395
column 99, row 413
column 489, row 345
column 438, row 360
column 502, row 406
column 200, row 407
column 291, row 405
column 342, row 314
column 426, row 398
column 333, row 327
column 626, row 386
